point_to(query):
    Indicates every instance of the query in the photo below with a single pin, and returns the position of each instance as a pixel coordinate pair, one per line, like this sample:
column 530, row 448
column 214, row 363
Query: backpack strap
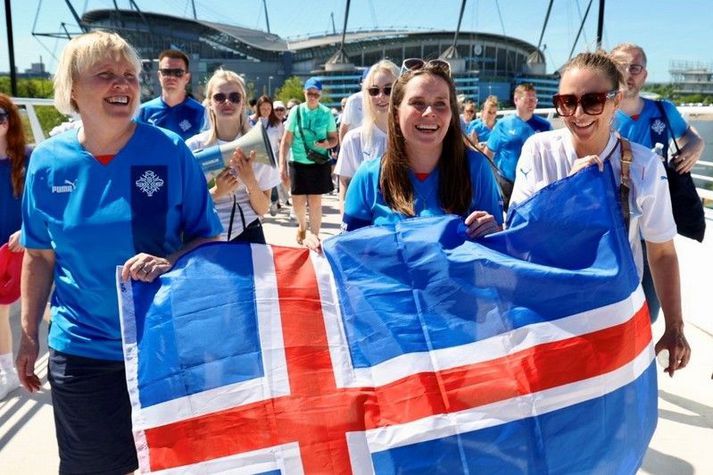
column 625, row 186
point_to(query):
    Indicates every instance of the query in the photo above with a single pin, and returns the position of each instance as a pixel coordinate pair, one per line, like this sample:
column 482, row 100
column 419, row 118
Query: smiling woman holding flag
column 426, row 169
column 112, row 192
column 589, row 94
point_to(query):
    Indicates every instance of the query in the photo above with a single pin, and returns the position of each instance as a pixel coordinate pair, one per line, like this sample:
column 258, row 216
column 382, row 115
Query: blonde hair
column 489, row 101
column 81, row 53
column 223, row 75
column 383, row 66
column 624, row 47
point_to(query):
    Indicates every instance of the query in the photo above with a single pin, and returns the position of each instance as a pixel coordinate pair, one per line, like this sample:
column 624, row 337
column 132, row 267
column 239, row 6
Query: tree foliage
column 291, row 89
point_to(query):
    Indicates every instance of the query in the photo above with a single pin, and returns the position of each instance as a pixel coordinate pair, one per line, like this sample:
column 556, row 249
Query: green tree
column 291, row 89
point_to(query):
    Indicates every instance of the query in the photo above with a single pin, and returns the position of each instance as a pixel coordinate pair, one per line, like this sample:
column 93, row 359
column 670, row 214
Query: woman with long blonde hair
column 241, row 194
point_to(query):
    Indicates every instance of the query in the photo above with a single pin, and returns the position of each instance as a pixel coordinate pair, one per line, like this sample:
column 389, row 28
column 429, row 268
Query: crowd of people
column 118, row 190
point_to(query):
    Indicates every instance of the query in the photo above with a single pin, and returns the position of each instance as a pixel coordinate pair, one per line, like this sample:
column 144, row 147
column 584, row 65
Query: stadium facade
column 484, row 63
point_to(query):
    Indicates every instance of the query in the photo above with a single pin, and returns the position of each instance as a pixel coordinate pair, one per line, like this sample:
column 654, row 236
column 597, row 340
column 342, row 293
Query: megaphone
column 214, row 159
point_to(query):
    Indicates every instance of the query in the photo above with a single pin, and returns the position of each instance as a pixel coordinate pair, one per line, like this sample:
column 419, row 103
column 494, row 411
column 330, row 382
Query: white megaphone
column 214, row 159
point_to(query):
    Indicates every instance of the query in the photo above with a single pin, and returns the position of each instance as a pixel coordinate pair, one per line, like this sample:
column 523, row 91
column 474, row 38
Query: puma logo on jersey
column 68, row 187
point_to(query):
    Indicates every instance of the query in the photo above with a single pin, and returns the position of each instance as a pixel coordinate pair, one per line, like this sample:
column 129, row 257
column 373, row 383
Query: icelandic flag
column 405, row 349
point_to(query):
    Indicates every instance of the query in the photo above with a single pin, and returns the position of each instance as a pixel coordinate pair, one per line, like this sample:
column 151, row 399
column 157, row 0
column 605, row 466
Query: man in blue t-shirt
column 508, row 136
column 174, row 109
column 640, row 120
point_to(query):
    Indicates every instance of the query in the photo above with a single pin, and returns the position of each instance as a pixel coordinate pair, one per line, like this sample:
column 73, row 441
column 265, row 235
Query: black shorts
column 311, row 179
column 92, row 415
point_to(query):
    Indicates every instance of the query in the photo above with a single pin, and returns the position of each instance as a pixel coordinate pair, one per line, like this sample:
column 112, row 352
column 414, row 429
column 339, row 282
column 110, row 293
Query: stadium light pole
column 11, row 48
column 269, row 86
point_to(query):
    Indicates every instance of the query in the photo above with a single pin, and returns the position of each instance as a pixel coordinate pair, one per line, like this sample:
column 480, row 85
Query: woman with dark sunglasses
column 589, row 94
column 241, row 193
column 369, row 140
column 426, row 170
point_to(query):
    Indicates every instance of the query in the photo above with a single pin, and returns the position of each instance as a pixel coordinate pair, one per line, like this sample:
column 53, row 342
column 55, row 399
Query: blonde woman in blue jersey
column 113, row 192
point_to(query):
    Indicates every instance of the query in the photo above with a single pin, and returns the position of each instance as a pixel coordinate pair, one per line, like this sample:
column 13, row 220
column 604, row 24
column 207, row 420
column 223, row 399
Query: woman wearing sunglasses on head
column 369, row 140
column 242, row 192
column 426, row 169
column 589, row 93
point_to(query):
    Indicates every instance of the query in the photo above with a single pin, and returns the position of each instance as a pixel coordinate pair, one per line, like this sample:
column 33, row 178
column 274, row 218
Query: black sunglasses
column 374, row 90
column 412, row 64
column 233, row 97
column 592, row 102
column 3, row 117
column 175, row 72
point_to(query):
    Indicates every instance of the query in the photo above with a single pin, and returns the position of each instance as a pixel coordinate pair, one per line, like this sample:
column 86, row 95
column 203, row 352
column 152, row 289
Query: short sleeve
column 349, row 154
column 331, row 123
column 358, row 204
column 656, row 222
column 35, row 231
column 677, row 122
column 486, row 191
column 199, row 216
column 291, row 123
column 524, row 182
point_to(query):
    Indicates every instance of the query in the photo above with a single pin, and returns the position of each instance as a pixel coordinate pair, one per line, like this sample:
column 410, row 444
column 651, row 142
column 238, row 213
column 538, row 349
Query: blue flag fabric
column 406, row 349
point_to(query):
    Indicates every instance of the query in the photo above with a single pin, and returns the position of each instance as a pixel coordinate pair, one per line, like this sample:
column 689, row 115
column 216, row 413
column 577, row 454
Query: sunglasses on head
column 374, row 90
column 175, row 72
column 592, row 102
column 413, row 64
column 233, row 97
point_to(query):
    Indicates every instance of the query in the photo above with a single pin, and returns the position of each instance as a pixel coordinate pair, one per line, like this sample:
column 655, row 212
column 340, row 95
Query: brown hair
column 598, row 61
column 15, row 145
column 272, row 119
column 174, row 54
column 454, row 186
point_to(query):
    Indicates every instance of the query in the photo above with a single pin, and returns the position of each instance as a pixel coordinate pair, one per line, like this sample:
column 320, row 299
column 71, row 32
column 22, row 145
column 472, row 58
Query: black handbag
column 686, row 205
column 312, row 155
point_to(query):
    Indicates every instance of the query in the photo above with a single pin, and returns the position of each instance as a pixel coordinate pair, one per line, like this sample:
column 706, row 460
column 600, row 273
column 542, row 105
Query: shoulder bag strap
column 625, row 186
column 299, row 126
column 662, row 110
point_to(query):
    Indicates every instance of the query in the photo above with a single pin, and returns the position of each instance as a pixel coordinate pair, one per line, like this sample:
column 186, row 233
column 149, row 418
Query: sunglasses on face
column 374, row 90
column 175, row 72
column 233, row 97
column 413, row 64
column 313, row 94
column 592, row 102
column 279, row 109
column 3, row 117
column 469, row 111
column 634, row 69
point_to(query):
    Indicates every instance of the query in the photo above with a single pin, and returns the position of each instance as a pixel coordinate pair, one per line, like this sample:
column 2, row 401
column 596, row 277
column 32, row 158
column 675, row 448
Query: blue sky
column 667, row 29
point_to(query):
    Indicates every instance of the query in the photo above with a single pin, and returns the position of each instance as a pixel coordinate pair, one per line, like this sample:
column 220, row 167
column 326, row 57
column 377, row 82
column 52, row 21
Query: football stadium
column 482, row 63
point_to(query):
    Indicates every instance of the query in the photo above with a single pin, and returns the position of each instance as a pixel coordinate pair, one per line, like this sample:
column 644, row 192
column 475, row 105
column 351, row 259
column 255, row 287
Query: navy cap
column 313, row 83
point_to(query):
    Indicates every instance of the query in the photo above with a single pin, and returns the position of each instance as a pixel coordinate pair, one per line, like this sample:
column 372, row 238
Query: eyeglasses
column 279, row 109
column 592, row 102
column 634, row 69
column 313, row 94
column 468, row 111
column 175, row 72
column 233, row 97
column 412, row 64
column 374, row 90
